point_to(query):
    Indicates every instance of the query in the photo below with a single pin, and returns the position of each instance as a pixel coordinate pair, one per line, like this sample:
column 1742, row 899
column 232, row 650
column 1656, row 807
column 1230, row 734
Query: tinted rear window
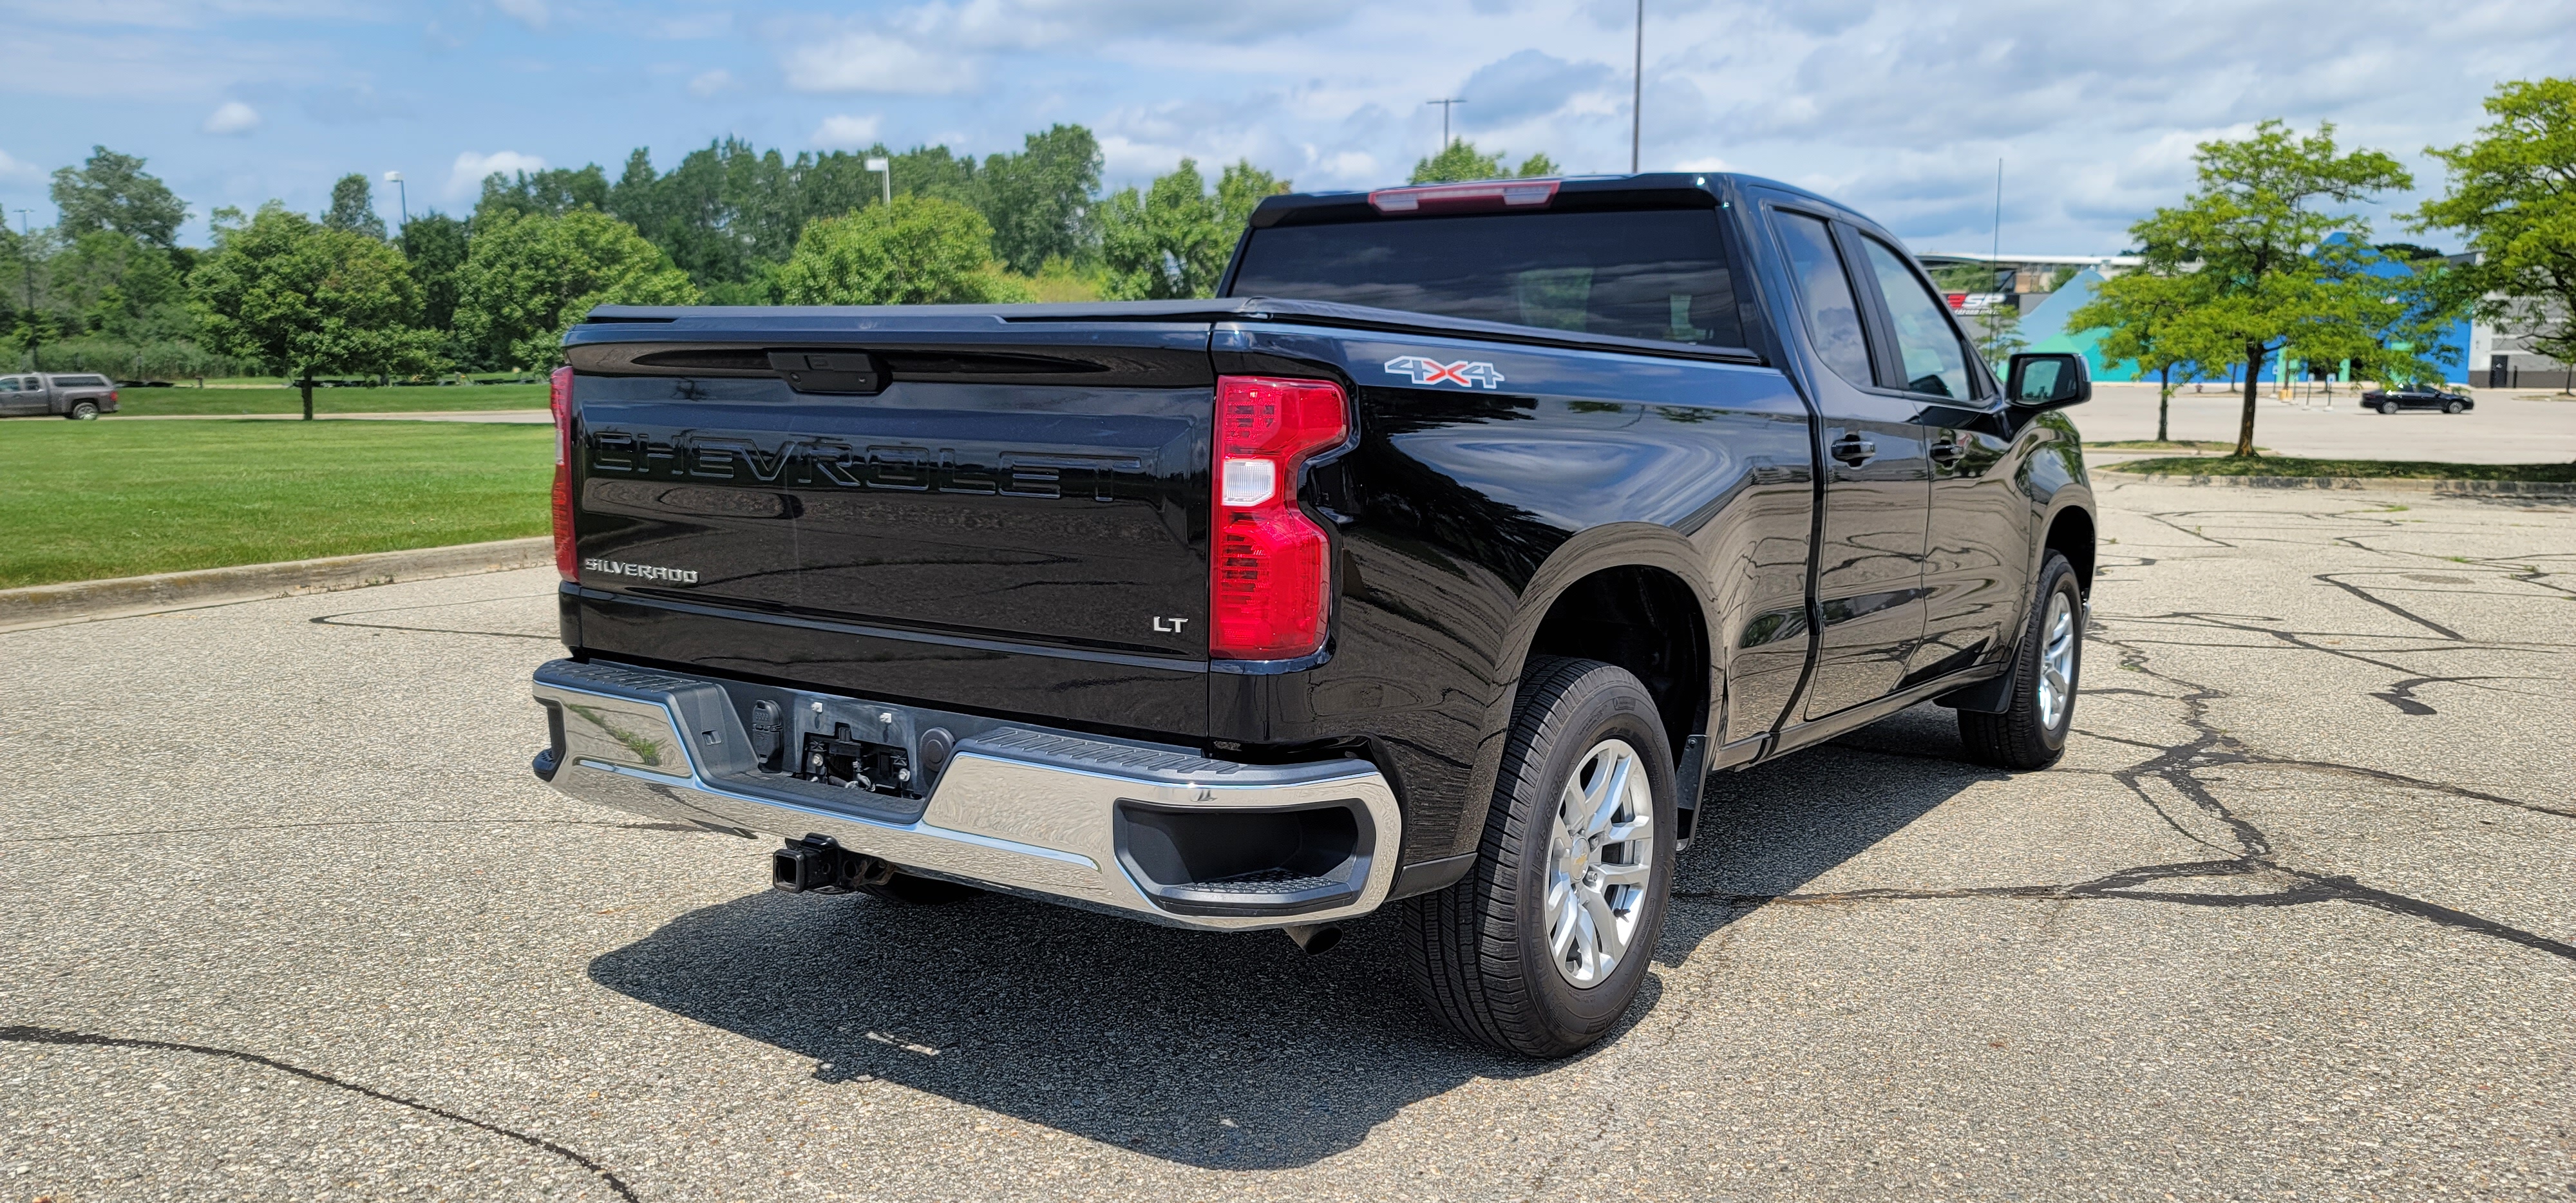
column 1659, row 274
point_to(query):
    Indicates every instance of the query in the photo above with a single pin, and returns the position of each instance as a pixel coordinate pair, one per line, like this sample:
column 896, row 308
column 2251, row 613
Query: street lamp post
column 884, row 169
column 395, row 178
column 1637, row 93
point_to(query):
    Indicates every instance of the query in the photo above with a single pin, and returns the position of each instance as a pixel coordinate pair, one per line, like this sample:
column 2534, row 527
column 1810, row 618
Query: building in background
column 2047, row 289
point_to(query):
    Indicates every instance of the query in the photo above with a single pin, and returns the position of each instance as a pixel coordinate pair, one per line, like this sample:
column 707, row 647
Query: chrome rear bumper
column 1064, row 817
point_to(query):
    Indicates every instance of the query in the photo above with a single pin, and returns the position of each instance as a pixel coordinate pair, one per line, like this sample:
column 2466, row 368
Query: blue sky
column 1899, row 109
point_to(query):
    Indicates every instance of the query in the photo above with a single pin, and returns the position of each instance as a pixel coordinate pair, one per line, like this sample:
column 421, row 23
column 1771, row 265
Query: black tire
column 1479, row 949
column 919, row 891
column 2024, row 737
column 2453, row 407
column 2388, row 408
column 83, row 411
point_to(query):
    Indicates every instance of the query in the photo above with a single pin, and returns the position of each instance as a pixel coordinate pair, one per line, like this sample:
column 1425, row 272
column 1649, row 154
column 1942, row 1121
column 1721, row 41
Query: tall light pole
column 395, row 178
column 884, row 169
column 1637, row 93
column 1445, row 106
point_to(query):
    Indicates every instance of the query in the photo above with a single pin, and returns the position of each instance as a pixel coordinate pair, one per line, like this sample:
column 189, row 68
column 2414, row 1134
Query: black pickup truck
column 1434, row 564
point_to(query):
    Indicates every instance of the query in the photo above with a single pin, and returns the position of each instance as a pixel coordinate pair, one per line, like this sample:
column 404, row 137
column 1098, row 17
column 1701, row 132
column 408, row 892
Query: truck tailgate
column 903, row 505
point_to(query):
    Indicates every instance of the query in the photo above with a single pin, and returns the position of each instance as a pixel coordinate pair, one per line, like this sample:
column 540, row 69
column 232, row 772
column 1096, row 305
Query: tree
column 2268, row 272
column 112, row 192
column 283, row 290
column 434, row 244
column 551, row 192
column 1998, row 331
column 353, row 208
column 2512, row 192
column 2148, row 316
column 1460, row 160
column 917, row 251
column 1174, row 239
column 529, row 277
column 1039, row 200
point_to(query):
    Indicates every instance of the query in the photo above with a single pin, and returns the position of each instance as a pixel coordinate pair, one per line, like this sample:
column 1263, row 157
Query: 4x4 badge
column 1464, row 373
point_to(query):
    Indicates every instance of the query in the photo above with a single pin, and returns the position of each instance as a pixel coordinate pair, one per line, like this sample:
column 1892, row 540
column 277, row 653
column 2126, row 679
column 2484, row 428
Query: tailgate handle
column 830, row 371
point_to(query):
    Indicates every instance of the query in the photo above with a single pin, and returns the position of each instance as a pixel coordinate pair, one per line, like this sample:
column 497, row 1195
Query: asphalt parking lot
column 285, row 917
column 2509, row 426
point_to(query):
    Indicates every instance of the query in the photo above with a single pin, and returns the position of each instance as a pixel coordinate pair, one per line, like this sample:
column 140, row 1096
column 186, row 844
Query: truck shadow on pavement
column 1216, row 1051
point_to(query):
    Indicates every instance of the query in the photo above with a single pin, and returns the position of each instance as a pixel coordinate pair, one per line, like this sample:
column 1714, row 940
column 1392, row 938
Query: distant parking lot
column 285, row 917
column 2507, row 427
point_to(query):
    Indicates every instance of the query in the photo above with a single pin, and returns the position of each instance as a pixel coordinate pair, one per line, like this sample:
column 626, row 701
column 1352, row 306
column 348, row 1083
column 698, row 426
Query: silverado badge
column 1464, row 373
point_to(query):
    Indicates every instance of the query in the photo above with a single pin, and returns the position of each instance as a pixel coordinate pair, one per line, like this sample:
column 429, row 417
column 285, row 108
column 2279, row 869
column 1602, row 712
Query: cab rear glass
column 1656, row 274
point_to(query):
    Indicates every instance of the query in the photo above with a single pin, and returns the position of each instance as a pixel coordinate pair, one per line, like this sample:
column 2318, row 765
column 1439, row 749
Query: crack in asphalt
column 2177, row 767
column 30, row 1034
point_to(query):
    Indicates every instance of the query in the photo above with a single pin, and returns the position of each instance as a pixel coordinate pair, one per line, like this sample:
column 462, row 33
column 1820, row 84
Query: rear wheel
column 2387, row 407
column 83, row 411
column 2031, row 733
column 1542, row 948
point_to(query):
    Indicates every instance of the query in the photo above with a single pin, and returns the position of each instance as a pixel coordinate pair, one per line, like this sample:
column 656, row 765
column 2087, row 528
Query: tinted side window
column 1825, row 296
column 1935, row 363
column 1659, row 274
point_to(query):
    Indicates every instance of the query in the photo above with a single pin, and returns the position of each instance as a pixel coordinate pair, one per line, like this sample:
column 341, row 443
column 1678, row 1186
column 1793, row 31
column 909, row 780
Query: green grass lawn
column 400, row 398
column 82, row 500
column 2385, row 469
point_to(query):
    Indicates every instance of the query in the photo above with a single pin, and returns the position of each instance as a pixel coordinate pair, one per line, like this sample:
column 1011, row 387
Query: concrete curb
column 89, row 601
column 2382, row 484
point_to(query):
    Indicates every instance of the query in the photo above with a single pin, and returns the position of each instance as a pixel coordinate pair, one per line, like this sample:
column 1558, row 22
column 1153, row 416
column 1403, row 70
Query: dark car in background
column 78, row 395
column 2416, row 396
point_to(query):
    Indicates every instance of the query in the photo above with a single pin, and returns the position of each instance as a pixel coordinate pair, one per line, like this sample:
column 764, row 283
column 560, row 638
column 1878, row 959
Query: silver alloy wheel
column 2056, row 660
column 1600, row 859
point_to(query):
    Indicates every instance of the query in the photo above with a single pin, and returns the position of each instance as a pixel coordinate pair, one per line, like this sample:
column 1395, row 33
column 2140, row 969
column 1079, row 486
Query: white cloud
column 709, row 83
column 471, row 168
column 846, row 132
column 232, row 117
column 531, row 13
column 860, row 61
column 12, row 169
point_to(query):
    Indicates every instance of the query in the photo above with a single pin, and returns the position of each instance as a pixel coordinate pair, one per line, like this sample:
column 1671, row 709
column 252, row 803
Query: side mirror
column 2048, row 380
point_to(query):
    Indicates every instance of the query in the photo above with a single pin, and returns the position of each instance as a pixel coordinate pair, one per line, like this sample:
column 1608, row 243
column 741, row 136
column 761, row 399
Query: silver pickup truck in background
column 77, row 395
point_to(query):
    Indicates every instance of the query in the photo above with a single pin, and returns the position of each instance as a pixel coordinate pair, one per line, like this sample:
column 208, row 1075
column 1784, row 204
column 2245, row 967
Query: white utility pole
column 1637, row 93
column 395, row 178
column 886, row 170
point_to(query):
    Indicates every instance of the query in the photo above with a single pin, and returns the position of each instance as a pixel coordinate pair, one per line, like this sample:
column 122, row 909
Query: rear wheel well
column 1645, row 620
column 2070, row 534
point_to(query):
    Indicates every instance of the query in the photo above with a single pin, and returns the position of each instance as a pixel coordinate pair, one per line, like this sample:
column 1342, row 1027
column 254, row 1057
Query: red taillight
column 1452, row 198
column 559, row 398
column 1270, row 570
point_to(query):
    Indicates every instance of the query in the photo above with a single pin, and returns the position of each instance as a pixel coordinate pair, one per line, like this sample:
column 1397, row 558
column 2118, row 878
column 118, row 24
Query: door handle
column 1854, row 450
column 1947, row 454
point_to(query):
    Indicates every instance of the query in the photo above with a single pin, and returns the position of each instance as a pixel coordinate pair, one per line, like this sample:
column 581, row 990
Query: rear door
column 1974, row 554
column 1869, row 581
column 15, row 400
